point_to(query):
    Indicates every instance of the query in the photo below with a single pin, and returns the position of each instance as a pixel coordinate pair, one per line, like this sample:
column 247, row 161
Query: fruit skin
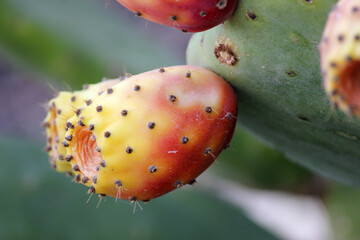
column 186, row 15
column 60, row 109
column 273, row 64
column 154, row 132
column 340, row 56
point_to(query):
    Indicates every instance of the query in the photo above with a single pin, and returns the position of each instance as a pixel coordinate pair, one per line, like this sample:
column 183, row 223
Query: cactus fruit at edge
column 186, row 15
column 340, row 56
column 268, row 51
column 150, row 133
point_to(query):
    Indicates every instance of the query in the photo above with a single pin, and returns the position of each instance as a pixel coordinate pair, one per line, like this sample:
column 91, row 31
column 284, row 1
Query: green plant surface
column 278, row 83
column 38, row 203
column 78, row 41
column 254, row 164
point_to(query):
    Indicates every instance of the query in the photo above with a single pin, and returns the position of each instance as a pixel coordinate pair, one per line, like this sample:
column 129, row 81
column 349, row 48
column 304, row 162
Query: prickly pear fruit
column 340, row 56
column 186, row 15
column 60, row 109
column 152, row 133
column 268, row 51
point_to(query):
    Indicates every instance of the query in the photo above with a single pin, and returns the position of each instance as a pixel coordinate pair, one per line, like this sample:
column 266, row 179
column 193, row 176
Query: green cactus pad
column 268, row 52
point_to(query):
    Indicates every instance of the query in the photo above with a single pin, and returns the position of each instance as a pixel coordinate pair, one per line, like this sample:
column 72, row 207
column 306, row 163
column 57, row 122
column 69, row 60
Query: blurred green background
column 251, row 192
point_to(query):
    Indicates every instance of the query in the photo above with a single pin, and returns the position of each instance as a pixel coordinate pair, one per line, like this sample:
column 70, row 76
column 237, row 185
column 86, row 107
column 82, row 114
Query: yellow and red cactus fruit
column 340, row 56
column 152, row 133
column 60, row 109
column 186, row 15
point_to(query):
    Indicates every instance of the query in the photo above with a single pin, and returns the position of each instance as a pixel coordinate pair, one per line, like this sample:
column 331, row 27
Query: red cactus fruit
column 187, row 15
column 152, row 133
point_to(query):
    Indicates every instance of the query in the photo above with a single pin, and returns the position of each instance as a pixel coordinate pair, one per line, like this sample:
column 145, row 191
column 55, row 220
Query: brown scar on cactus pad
column 340, row 56
column 156, row 132
column 225, row 54
column 250, row 15
column 186, row 15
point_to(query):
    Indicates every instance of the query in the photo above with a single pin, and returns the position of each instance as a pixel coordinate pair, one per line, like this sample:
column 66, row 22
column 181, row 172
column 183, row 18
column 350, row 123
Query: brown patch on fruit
column 225, row 54
column 349, row 84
